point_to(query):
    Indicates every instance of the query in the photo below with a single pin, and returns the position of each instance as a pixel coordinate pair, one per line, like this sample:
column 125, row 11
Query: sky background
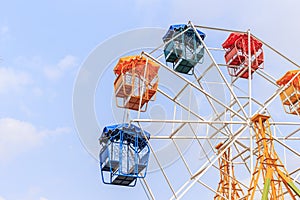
column 42, row 46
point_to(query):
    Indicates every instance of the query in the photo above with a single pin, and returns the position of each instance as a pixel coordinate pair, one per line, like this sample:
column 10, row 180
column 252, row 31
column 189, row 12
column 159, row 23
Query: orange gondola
column 136, row 82
column 290, row 97
column 237, row 55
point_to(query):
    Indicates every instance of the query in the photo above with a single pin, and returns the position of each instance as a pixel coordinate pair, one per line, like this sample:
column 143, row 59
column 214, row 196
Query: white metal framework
column 211, row 107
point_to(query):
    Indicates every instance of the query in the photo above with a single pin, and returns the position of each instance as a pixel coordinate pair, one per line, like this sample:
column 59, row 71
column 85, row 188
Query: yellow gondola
column 290, row 96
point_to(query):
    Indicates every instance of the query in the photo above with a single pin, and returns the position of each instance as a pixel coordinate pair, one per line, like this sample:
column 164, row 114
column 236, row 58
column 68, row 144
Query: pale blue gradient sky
column 43, row 43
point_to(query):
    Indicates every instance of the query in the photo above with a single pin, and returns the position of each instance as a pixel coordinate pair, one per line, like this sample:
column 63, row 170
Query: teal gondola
column 185, row 50
column 124, row 154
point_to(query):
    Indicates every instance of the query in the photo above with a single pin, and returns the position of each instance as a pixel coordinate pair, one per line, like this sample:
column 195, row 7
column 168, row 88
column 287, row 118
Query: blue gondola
column 184, row 51
column 124, row 154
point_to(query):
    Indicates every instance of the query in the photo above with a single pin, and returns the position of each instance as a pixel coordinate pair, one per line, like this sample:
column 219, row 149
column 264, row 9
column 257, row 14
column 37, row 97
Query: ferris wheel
column 230, row 122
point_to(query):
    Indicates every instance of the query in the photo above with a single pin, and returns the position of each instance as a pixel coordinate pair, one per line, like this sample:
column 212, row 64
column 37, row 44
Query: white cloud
column 18, row 136
column 57, row 131
column 4, row 33
column 11, row 79
column 41, row 198
column 55, row 72
column 4, row 30
column 2, row 198
column 67, row 62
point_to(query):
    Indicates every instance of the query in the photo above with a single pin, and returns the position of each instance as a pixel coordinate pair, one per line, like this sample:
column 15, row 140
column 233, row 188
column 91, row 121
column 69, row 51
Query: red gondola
column 237, row 54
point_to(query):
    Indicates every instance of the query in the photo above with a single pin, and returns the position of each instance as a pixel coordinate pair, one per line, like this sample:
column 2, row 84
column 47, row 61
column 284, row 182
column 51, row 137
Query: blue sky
column 42, row 46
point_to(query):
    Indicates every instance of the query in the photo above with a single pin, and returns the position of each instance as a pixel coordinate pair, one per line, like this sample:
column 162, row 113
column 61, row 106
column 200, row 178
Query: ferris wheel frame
column 230, row 138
